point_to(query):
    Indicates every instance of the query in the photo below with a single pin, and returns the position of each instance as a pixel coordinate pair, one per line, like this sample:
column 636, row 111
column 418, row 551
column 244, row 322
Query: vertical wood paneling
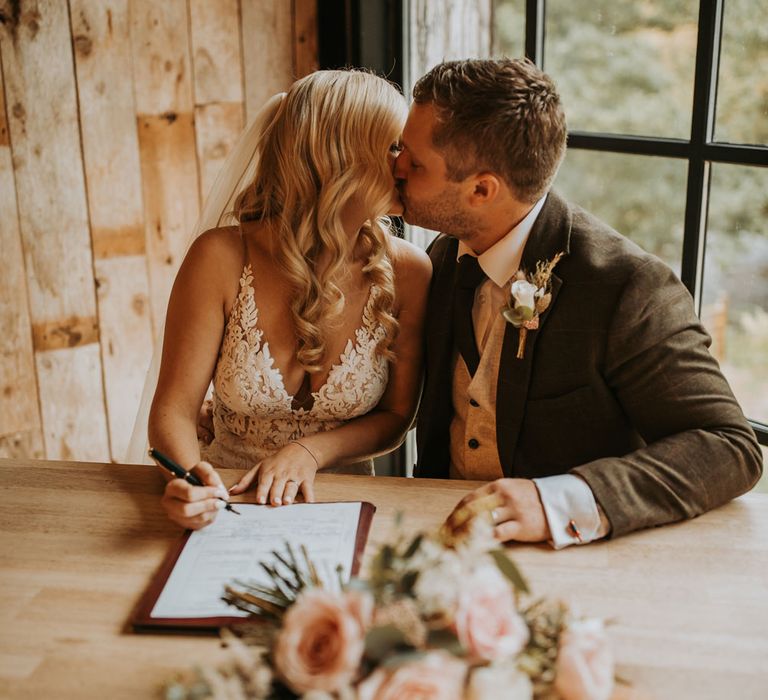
column 101, row 38
column 19, row 413
column 447, row 30
column 108, row 126
column 106, row 156
column 72, row 427
column 452, row 29
column 216, row 64
column 267, row 51
column 217, row 127
column 53, row 219
column 304, row 37
column 216, row 51
column 171, row 204
column 160, row 45
column 126, row 341
column 163, row 92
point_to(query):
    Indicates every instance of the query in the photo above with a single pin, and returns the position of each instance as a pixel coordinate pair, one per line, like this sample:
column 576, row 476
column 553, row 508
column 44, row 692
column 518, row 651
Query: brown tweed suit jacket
column 617, row 385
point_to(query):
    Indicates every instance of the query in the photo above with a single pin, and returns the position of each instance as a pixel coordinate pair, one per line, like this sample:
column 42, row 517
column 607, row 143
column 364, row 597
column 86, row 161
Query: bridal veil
column 238, row 170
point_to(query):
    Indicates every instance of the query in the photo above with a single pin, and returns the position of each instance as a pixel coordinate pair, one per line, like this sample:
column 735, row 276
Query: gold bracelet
column 301, row 444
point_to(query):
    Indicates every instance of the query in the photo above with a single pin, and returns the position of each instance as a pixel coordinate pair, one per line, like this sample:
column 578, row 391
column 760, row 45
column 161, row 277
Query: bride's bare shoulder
column 410, row 262
column 217, row 248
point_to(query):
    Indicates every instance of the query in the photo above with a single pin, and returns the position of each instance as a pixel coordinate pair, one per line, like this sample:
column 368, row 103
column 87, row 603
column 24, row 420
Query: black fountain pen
column 178, row 471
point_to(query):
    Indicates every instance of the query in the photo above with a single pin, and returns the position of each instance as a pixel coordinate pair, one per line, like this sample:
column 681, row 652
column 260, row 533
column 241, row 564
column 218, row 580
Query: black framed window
column 667, row 107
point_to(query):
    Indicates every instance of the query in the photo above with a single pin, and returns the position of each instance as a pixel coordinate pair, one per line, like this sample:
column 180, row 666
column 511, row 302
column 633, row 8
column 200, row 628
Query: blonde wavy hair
column 326, row 143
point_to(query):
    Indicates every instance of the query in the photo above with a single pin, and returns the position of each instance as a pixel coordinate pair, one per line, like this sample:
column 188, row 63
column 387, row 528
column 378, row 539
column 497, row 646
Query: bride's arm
column 293, row 467
column 193, row 331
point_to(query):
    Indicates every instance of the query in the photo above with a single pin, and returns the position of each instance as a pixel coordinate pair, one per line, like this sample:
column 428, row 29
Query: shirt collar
column 502, row 260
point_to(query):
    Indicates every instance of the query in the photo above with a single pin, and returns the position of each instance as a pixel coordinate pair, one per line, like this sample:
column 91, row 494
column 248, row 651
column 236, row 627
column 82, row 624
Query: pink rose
column 436, row 676
column 584, row 669
column 486, row 621
column 322, row 639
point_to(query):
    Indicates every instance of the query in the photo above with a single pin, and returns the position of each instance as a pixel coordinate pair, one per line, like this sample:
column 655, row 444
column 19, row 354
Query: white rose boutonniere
column 530, row 296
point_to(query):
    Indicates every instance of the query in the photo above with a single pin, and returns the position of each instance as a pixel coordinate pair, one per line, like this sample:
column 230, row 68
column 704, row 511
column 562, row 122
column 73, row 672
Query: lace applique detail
column 253, row 415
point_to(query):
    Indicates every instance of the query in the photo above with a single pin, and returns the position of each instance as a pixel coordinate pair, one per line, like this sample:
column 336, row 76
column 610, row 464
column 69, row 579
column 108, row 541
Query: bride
column 306, row 314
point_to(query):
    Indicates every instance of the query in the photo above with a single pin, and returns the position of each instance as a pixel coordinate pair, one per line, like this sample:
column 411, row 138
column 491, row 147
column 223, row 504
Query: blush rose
column 321, row 641
column 486, row 621
column 436, row 676
column 584, row 668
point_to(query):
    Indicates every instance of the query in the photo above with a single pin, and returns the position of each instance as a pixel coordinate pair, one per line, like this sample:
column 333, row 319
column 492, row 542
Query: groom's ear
column 486, row 189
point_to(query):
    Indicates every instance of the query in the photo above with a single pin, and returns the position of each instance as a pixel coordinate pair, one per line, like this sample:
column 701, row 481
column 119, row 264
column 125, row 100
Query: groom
column 593, row 408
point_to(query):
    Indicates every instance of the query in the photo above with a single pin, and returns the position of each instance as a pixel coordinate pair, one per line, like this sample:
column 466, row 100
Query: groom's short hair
column 501, row 115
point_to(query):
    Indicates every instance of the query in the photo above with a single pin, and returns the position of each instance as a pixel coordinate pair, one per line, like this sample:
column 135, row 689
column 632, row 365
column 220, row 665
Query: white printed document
column 191, row 582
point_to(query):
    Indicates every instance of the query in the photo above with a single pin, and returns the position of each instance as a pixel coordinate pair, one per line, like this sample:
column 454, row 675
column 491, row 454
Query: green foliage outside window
column 628, row 68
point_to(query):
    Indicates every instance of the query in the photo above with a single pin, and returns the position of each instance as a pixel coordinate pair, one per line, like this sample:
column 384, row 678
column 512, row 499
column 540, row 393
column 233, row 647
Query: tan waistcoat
column 474, row 453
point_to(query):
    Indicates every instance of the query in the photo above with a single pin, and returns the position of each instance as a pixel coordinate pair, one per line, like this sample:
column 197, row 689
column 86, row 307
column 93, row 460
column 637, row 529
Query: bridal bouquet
column 439, row 616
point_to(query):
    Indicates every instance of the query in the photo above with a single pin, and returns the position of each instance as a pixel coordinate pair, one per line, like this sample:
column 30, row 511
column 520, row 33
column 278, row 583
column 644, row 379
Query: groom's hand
column 517, row 514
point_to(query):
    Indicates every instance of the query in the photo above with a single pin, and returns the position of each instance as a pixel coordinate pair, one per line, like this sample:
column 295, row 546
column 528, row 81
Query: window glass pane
column 762, row 485
column 624, row 67
column 742, row 92
column 508, row 28
column 642, row 197
column 735, row 293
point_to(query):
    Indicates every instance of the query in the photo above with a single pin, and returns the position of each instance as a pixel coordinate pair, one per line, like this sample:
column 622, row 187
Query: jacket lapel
column 549, row 236
column 437, row 404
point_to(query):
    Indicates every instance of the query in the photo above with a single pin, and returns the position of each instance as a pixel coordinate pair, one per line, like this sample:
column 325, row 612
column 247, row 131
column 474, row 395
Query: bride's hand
column 280, row 477
column 194, row 507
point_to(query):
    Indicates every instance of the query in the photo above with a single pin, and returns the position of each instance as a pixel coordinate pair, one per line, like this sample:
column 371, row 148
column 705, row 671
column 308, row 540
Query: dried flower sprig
column 530, row 296
column 439, row 614
column 290, row 577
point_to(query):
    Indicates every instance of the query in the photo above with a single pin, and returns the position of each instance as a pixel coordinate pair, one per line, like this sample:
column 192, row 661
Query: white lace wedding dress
column 253, row 414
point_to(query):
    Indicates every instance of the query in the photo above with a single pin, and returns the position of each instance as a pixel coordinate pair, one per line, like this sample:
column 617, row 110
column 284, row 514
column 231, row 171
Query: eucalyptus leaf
column 446, row 640
column 414, row 546
column 402, row 658
column 387, row 555
column 382, row 641
column 409, row 581
column 526, row 312
column 511, row 316
column 510, row 570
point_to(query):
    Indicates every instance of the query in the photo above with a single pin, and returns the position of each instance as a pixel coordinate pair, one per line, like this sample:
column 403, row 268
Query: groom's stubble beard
column 440, row 213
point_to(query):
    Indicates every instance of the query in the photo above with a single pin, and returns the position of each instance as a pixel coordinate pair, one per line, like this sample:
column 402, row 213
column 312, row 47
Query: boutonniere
column 530, row 296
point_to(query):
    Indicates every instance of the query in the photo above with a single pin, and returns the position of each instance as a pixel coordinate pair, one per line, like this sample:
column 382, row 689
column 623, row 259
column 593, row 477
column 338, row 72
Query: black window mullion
column 534, row 31
column 637, row 145
column 702, row 129
column 700, row 151
column 736, row 154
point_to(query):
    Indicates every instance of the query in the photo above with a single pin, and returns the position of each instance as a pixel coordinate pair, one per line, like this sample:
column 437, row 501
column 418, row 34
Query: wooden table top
column 79, row 543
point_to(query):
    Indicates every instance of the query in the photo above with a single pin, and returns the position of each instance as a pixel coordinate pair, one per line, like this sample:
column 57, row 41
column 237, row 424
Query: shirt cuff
column 572, row 512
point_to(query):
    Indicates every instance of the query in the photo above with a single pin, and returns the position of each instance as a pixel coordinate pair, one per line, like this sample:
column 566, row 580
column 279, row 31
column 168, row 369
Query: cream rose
column 436, row 676
column 437, row 586
column 486, row 683
column 487, row 622
column 584, row 669
column 321, row 641
column 524, row 293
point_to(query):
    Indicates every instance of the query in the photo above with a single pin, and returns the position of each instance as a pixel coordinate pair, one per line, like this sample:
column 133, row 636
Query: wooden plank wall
column 115, row 116
column 443, row 31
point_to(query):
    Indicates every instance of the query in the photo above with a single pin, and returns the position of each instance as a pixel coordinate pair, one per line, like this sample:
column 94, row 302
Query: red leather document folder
column 299, row 523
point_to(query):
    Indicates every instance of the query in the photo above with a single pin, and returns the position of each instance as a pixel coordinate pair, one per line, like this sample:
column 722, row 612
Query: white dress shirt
column 569, row 504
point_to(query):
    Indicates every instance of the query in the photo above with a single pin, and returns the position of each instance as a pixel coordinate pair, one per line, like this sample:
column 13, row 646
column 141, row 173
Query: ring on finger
column 495, row 516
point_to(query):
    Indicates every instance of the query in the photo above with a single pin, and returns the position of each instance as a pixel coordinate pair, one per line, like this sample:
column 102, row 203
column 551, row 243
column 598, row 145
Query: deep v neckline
column 352, row 344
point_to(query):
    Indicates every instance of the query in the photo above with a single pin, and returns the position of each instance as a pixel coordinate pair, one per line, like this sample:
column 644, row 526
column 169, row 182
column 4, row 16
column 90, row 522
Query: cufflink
column 573, row 530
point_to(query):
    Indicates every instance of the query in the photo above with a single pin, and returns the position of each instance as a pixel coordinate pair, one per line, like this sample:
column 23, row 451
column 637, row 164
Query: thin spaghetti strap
column 245, row 245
